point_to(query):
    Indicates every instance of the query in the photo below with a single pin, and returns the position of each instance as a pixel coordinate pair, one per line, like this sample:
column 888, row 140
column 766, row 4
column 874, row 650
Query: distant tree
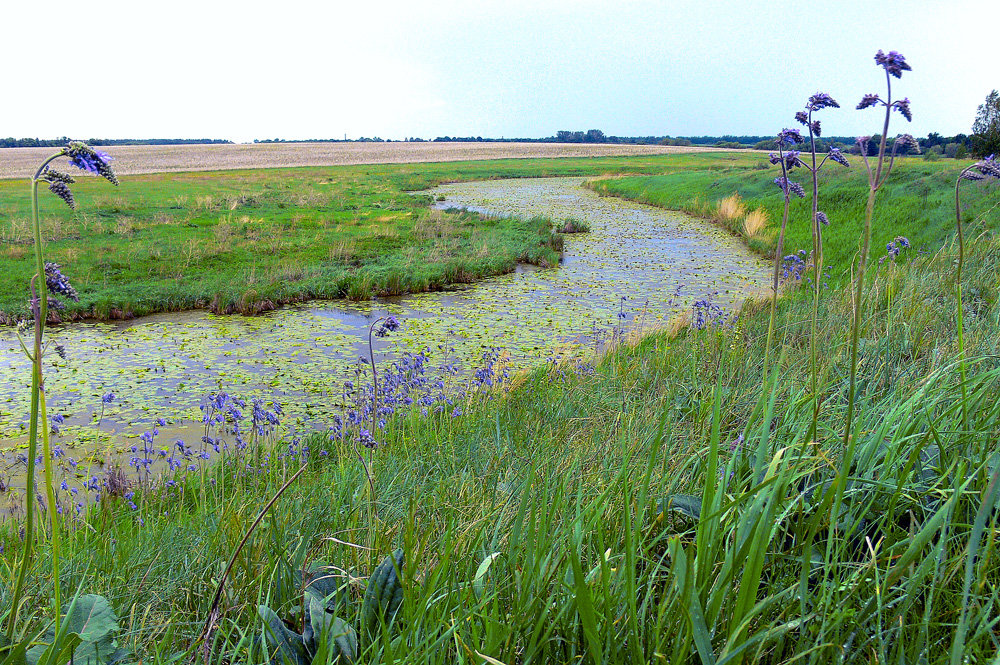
column 594, row 136
column 986, row 128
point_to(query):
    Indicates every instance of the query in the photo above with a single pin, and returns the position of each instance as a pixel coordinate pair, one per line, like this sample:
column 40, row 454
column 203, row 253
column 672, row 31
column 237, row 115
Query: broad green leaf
column 289, row 644
column 479, row 582
column 688, row 505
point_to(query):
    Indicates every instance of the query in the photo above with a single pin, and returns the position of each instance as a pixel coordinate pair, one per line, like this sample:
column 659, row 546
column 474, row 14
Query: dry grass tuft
column 730, row 208
column 754, row 222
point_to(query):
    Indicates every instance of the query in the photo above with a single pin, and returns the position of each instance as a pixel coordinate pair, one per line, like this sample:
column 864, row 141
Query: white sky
column 514, row 68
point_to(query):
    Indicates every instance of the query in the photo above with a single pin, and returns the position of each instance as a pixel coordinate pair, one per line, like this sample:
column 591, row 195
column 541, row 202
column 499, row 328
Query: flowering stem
column 817, row 234
column 875, row 181
column 40, row 311
column 51, row 499
column 779, row 250
column 958, row 293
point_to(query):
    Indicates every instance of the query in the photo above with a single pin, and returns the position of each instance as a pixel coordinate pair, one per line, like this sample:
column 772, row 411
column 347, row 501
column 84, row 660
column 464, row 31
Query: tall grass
column 560, row 487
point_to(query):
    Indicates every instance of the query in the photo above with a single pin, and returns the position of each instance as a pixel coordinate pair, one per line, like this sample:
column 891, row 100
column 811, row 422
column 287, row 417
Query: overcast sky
column 512, row 68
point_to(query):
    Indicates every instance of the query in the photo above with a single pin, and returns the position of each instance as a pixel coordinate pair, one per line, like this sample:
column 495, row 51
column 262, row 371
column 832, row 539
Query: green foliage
column 383, row 595
column 87, row 631
column 986, row 128
column 248, row 241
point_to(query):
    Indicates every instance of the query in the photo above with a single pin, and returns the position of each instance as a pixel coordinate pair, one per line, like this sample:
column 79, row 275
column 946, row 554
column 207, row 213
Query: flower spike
column 893, row 62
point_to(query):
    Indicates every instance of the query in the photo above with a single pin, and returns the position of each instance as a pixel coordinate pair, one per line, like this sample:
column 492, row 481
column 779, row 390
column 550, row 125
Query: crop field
column 136, row 159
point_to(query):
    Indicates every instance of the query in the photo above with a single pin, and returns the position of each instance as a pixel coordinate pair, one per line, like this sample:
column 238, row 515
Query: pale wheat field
column 135, row 159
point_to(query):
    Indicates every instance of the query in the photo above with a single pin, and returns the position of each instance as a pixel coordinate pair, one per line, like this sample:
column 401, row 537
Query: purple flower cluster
column 86, row 158
column 57, row 283
column 893, row 62
column 793, row 266
column 987, row 168
column 706, row 313
column 789, row 187
column 893, row 249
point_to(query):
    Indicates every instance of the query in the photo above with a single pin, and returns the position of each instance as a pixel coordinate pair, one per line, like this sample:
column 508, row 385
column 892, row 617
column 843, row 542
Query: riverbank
column 248, row 241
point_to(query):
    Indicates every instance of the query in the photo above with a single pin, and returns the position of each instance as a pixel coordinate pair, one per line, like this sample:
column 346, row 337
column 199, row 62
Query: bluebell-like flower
column 822, row 218
column 893, row 62
column 868, row 100
column 802, row 117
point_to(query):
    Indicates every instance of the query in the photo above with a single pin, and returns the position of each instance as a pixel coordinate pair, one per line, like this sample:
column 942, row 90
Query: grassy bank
column 246, row 241
column 917, row 202
column 560, row 480
column 662, row 504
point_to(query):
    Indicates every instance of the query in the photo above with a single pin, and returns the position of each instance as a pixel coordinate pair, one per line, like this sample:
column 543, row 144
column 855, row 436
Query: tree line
column 11, row 142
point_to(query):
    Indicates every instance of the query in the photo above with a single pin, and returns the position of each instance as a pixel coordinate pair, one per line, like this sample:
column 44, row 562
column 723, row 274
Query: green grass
column 917, row 202
column 561, row 483
column 250, row 240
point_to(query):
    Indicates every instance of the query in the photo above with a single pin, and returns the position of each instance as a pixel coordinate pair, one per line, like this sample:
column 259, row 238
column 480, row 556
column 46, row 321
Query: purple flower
column 789, row 137
column 903, row 106
column 62, row 190
column 836, row 155
column 108, row 398
column 821, row 100
column 790, row 187
column 893, row 62
column 989, row 167
column 822, row 218
column 868, row 100
column 86, row 158
column 802, row 117
column 57, row 283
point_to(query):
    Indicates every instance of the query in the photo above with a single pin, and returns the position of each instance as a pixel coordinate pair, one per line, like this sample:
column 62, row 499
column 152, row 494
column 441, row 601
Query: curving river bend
column 638, row 261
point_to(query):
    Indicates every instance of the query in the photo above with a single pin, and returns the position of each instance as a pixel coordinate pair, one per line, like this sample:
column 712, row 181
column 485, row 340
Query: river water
column 637, row 267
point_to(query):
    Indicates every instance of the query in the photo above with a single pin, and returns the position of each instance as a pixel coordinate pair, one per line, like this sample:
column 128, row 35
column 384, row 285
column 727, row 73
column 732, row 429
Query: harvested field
column 135, row 159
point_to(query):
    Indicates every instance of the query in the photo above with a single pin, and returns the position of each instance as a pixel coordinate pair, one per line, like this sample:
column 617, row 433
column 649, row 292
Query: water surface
column 638, row 261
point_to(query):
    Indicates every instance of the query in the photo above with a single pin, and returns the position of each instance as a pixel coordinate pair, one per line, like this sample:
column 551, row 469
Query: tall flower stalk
column 787, row 138
column 987, row 168
column 819, row 101
column 878, row 170
column 86, row 158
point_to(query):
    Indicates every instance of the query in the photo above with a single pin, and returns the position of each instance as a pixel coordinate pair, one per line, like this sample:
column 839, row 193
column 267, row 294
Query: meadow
column 249, row 240
column 668, row 501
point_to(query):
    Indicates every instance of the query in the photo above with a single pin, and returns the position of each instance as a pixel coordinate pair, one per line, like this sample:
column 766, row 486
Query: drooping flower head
column 836, row 155
column 868, row 100
column 95, row 161
column 989, row 167
column 789, row 187
column 903, row 106
column 802, row 117
column 821, row 100
column 58, row 283
column 893, row 62
column 790, row 158
column 789, row 137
